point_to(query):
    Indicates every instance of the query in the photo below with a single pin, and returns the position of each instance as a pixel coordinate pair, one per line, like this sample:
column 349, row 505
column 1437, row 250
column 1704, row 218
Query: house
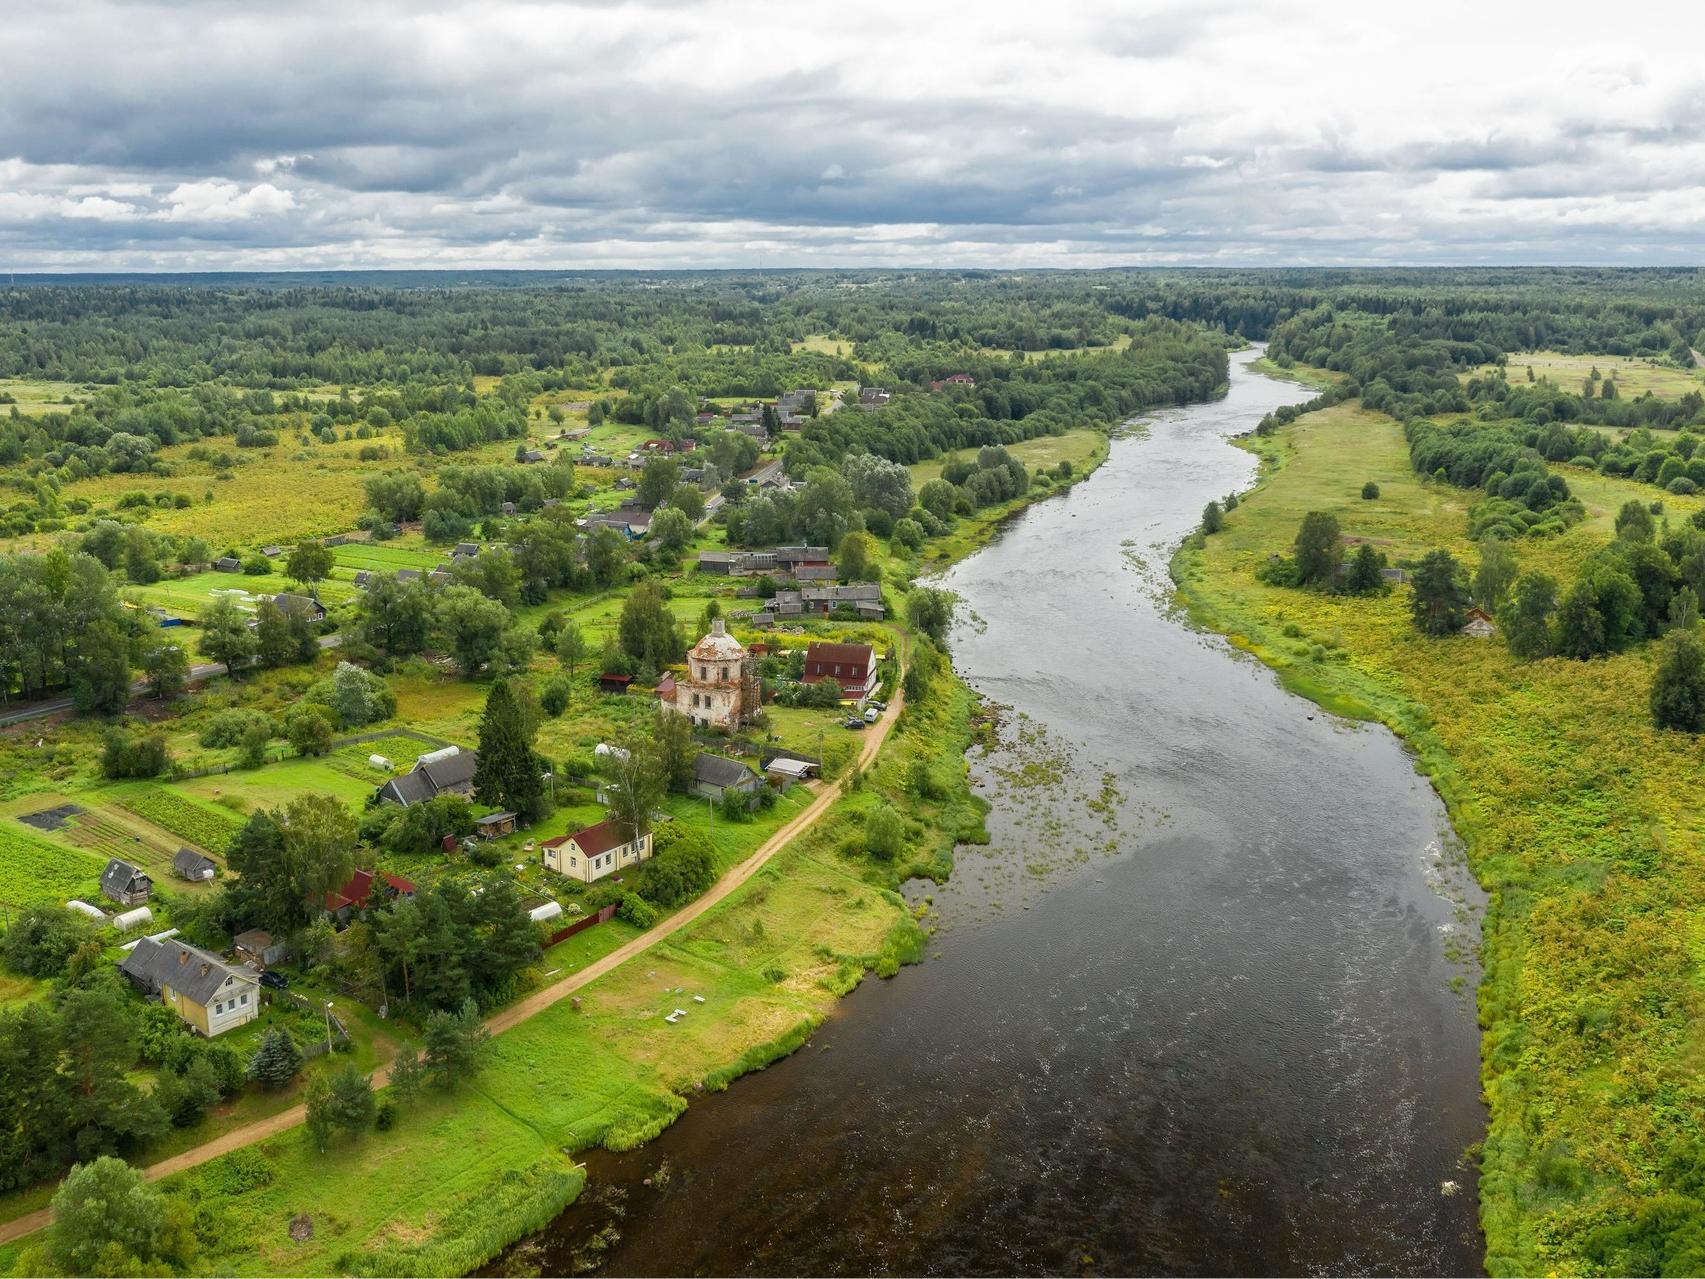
column 305, row 605
column 508, row 508
column 257, row 949
column 953, row 379
column 193, row 866
column 714, row 776
column 363, row 579
column 465, row 550
column 447, row 771
column 528, row 456
column 1479, row 624
column 227, row 564
column 610, row 683
column 365, row 888
column 863, row 598
column 272, row 552
column 493, row 825
column 594, row 852
column 853, row 666
column 1395, row 576
column 873, row 397
column 408, row 575
column 125, row 884
column 721, row 563
column 200, row 988
column 720, row 688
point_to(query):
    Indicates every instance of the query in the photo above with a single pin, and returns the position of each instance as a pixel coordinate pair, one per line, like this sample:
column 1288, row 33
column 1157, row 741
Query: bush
column 884, row 834
column 1370, row 491
column 637, row 911
column 41, row 939
column 553, row 698
column 227, row 728
column 127, row 756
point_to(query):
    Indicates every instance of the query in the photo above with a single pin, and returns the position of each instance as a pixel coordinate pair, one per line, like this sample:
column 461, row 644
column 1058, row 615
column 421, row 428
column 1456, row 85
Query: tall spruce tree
column 277, row 1061
column 508, row 774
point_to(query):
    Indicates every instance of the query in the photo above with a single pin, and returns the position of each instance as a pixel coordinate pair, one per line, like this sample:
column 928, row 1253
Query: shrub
column 1370, row 491
column 227, row 727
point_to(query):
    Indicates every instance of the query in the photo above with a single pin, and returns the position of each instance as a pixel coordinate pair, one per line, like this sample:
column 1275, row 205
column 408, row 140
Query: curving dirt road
column 539, row 1000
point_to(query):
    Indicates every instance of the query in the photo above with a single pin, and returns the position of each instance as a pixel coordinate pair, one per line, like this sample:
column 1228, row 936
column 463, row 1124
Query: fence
column 317, row 1047
column 603, row 916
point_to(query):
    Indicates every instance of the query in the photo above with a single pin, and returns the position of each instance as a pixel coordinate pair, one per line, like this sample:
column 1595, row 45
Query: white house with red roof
column 594, row 852
column 853, row 666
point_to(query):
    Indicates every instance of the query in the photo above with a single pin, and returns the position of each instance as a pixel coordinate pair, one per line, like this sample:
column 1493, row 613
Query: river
column 1203, row 1005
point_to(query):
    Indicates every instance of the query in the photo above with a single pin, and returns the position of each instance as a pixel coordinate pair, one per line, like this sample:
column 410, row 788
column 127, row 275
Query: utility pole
column 328, row 1027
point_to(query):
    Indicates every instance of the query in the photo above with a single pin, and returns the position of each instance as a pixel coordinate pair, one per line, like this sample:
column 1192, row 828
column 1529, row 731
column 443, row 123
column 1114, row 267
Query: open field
column 1577, row 815
column 32, row 398
column 825, row 345
column 1634, row 376
column 1082, row 448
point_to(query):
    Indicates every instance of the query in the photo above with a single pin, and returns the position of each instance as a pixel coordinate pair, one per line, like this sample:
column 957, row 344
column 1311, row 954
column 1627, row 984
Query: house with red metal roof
column 365, row 888
column 853, row 666
column 594, row 852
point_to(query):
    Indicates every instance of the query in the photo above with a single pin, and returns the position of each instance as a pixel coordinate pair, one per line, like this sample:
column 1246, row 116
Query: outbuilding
column 493, row 825
column 193, row 866
column 125, row 884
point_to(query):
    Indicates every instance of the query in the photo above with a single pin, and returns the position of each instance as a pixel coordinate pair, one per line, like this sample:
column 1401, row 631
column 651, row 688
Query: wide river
column 1203, row 1005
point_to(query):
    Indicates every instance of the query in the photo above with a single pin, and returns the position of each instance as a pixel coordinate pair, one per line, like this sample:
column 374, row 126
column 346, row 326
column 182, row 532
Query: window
column 218, row 1008
column 245, row 999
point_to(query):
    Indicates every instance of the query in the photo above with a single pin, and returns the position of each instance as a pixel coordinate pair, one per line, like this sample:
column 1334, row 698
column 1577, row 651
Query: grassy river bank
column 1579, row 819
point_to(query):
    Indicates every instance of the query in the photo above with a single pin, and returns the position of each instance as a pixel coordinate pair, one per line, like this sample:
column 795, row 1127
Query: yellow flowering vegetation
column 1581, row 820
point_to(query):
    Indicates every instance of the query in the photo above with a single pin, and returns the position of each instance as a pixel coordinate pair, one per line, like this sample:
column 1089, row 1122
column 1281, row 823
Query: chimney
column 183, row 957
column 205, row 968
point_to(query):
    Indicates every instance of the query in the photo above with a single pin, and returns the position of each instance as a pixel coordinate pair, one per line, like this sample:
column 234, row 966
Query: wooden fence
column 603, row 915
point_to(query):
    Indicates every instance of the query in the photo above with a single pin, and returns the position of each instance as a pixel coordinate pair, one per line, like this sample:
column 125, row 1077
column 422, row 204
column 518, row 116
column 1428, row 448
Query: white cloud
column 219, row 201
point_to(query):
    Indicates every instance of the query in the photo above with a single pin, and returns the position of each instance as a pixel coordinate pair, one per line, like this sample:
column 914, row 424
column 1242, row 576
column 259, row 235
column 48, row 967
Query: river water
column 1203, row 1004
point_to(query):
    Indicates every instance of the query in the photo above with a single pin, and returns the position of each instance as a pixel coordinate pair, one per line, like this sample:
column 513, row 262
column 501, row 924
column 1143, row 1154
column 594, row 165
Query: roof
column 449, row 770
column 788, row 767
column 718, row 645
column 410, row 788
column 715, row 770
column 292, row 603
column 186, row 969
column 122, row 877
column 189, row 862
column 594, row 839
column 859, row 655
column 254, row 939
column 666, row 688
column 489, row 818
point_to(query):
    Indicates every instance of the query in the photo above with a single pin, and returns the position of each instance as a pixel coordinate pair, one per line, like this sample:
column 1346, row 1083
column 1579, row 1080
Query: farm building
column 125, row 884
column 202, row 989
column 493, row 825
column 193, row 866
column 594, row 852
column 227, row 564
column 257, row 948
column 447, row 771
column 611, row 683
column 1479, row 624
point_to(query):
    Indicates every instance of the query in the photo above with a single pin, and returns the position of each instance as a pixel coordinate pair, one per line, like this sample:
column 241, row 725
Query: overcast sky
column 237, row 135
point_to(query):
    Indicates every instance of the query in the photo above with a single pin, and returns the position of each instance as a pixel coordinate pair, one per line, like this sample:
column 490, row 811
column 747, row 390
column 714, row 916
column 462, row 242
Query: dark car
column 278, row 981
column 852, row 721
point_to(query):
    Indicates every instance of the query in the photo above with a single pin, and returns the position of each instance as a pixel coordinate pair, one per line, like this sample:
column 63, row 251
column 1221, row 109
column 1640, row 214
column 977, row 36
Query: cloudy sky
column 198, row 135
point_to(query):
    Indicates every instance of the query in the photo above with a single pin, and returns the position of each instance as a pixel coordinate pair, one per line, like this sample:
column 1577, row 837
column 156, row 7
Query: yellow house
column 594, row 852
column 203, row 989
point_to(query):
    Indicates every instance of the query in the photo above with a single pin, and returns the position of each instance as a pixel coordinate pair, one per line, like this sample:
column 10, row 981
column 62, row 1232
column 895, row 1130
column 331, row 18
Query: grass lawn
column 1082, row 447
column 1634, row 376
column 825, row 345
column 276, row 784
column 32, row 399
column 1580, row 819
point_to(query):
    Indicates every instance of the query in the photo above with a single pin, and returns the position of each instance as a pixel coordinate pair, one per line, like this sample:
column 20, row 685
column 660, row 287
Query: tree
column 688, row 499
column 1678, row 684
column 636, row 786
column 1364, row 576
column 102, row 681
column 879, row 484
column 472, row 626
column 396, row 616
column 309, row 562
column 929, row 612
column 672, row 737
column 251, row 747
column 39, row 941
column 359, row 697
column 318, row 846
column 884, row 834
column 1527, row 623
column 658, row 480
column 671, row 531
column 166, row 668
column 277, row 1061
column 1213, row 518
column 187, row 1096
column 308, row 730
column 1318, row 548
column 397, row 496
column 225, row 636
column 1634, row 521
column 408, row 1070
column 1370, row 491
column 606, row 552
column 456, row 1043
column 274, row 645
column 107, row 1220
column 1580, row 626
column 1497, row 570
column 857, row 559
column 1437, row 597
column 342, row 1100
column 647, row 629
column 508, row 775
column 571, row 647
column 938, row 497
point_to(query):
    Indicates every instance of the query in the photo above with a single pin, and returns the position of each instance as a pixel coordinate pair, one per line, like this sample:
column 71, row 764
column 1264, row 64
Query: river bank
column 1564, row 795
column 1179, row 1014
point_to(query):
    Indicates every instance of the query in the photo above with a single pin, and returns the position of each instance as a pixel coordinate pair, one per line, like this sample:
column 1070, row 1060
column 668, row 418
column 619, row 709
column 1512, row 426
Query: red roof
column 360, row 887
column 856, row 662
column 666, row 688
column 594, row 839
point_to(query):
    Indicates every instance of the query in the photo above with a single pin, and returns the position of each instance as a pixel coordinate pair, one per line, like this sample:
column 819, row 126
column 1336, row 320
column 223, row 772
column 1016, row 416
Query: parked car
column 852, row 721
column 872, row 715
column 278, row 981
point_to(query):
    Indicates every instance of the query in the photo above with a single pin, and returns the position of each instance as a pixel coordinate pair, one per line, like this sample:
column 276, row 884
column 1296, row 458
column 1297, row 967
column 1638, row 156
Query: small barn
column 1479, row 624
column 608, row 683
column 494, row 825
column 257, row 949
column 193, row 866
column 125, row 884
column 715, row 775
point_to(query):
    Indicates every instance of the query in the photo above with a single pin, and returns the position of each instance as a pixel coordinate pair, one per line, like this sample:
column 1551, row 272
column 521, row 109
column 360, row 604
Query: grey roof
column 410, row 788
column 122, row 877
column 191, row 864
column 292, row 603
column 715, row 770
column 408, row 575
column 186, row 969
column 452, row 770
